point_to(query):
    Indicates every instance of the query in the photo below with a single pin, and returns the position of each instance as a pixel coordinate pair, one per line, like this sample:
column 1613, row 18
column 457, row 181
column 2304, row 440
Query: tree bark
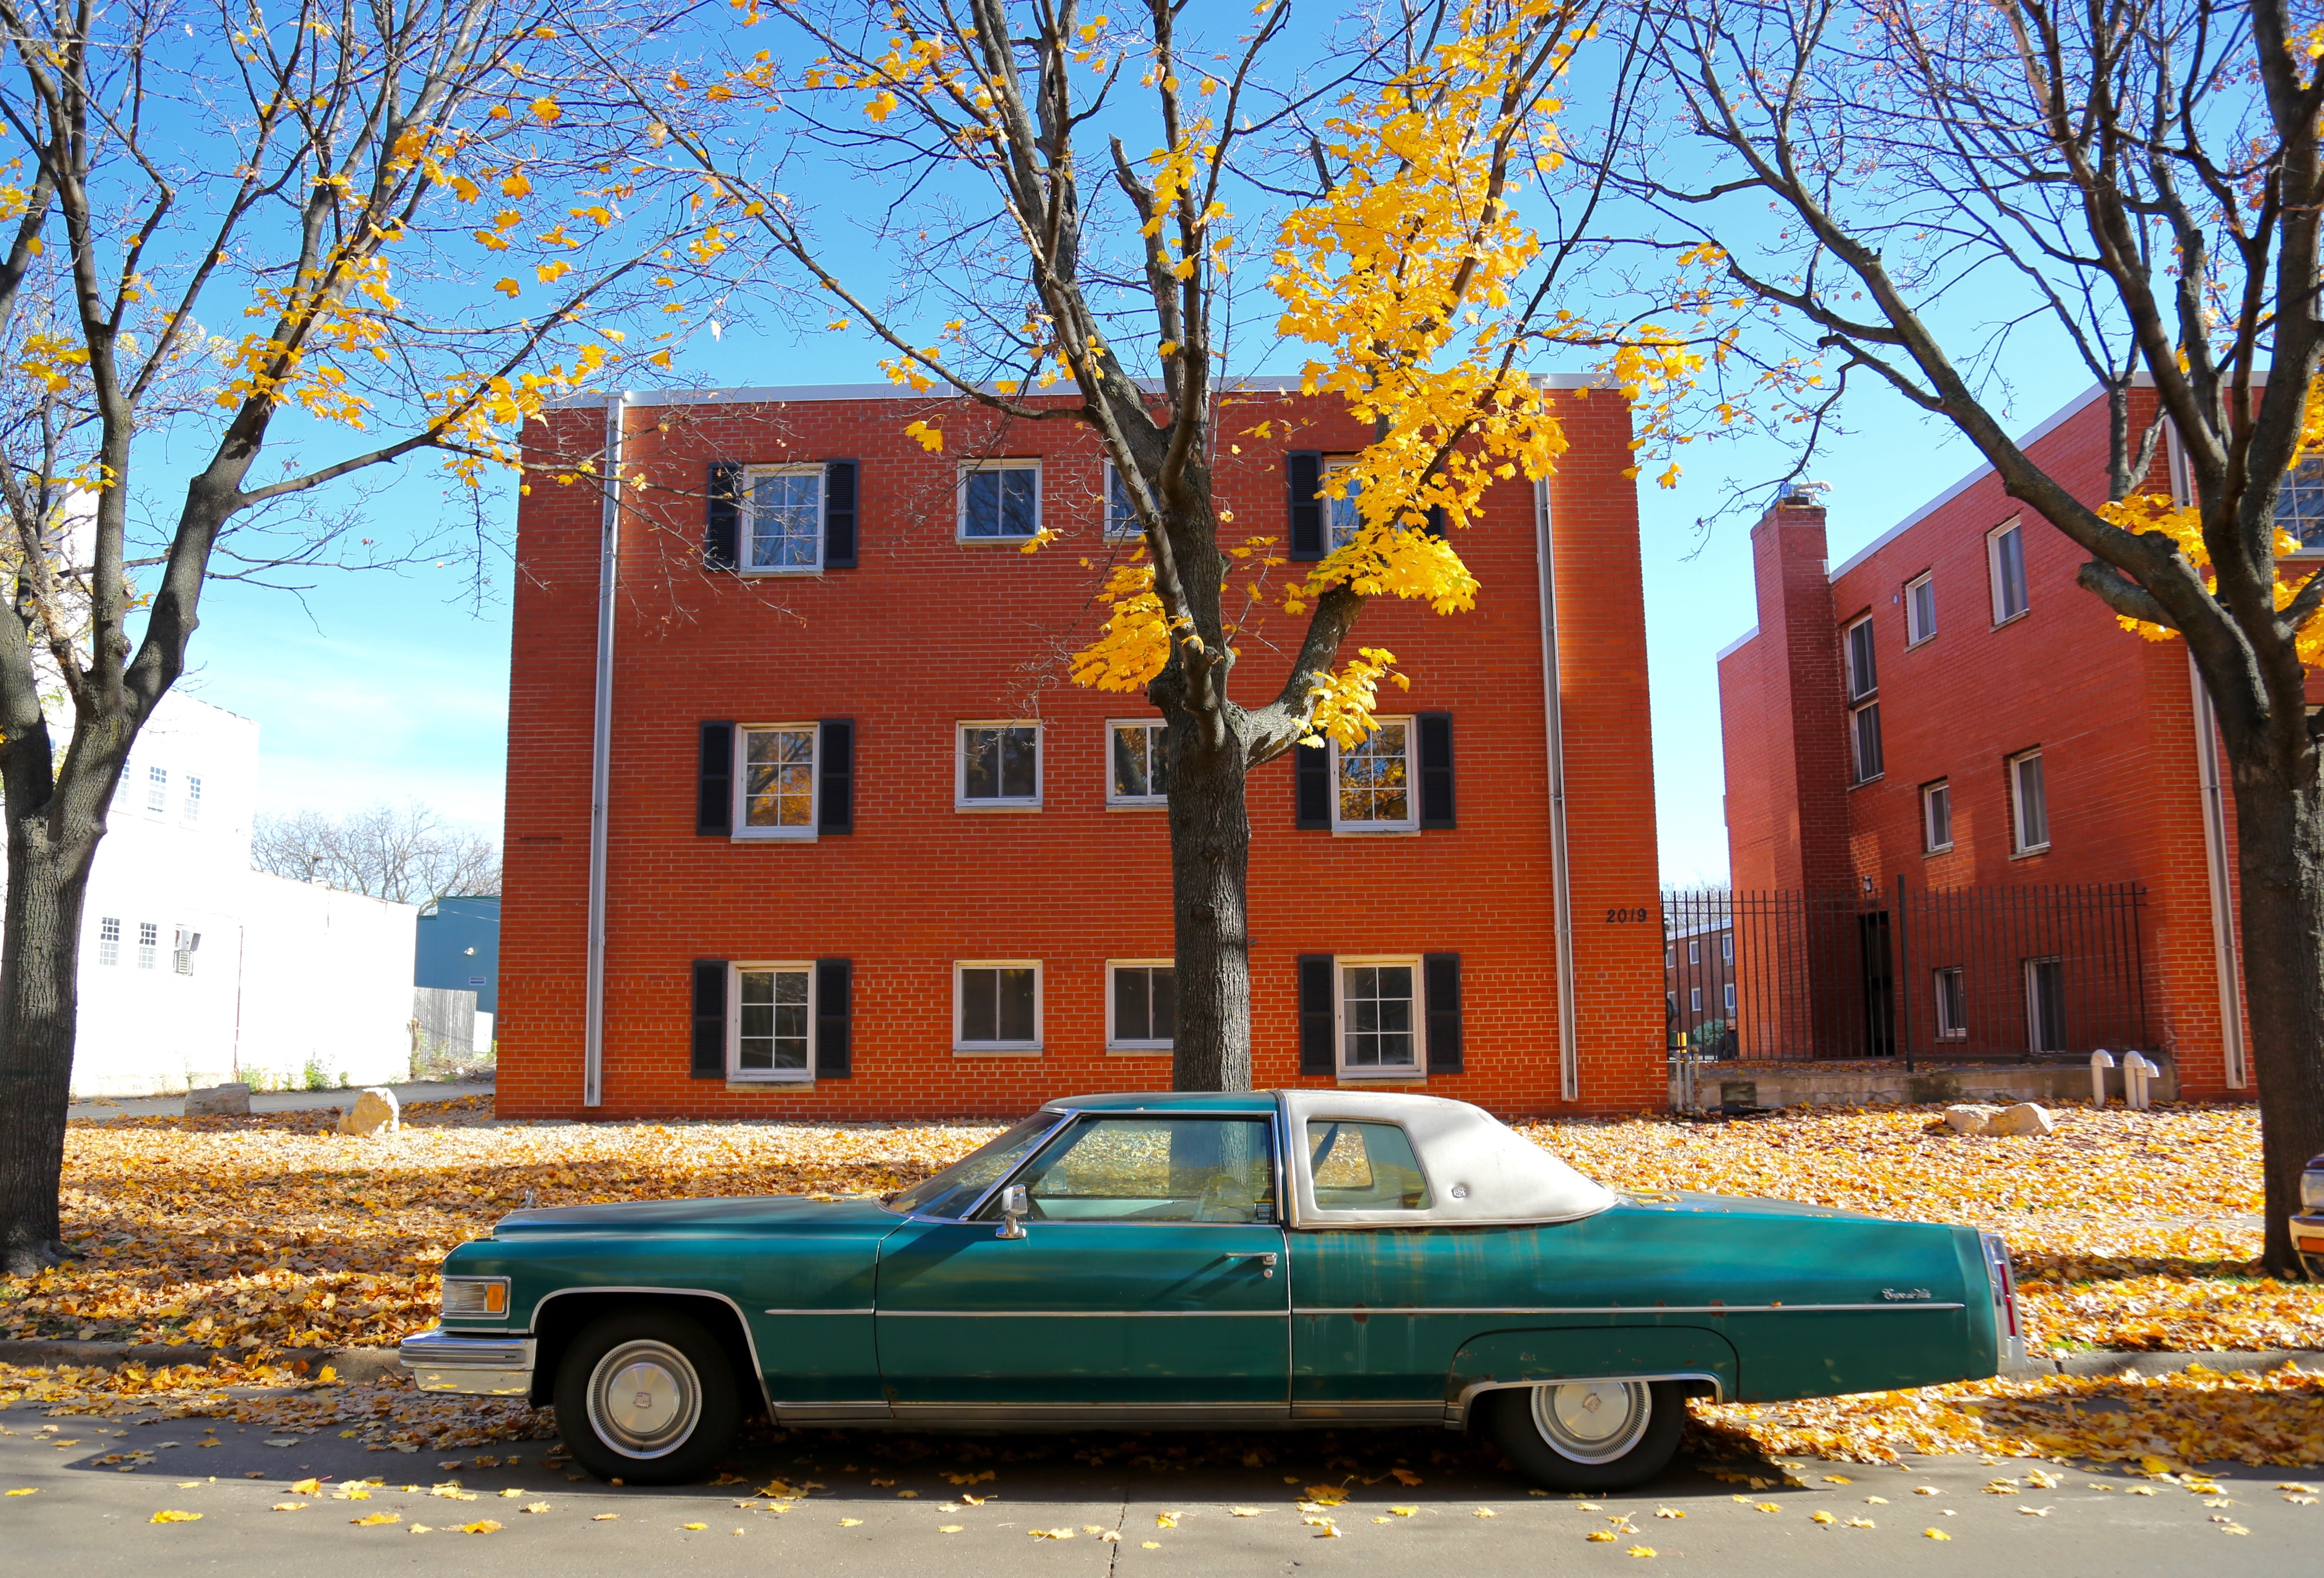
column 48, row 884
column 1210, row 859
column 2280, row 859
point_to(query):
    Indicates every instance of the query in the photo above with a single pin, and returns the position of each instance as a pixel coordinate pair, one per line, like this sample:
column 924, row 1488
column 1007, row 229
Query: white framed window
column 1694, row 950
column 1694, row 999
column 1141, row 1005
column 1951, row 994
column 1342, row 517
column 2045, row 1004
column 775, row 792
column 1919, row 609
column 1381, row 1013
column 999, row 501
column 157, row 789
column 1137, row 761
column 1936, row 817
column 1863, row 669
column 108, row 940
column 2029, row 804
column 996, row 766
column 1374, row 785
column 782, row 520
column 770, row 1034
column 193, row 799
column 2005, row 555
column 1864, row 741
column 149, row 943
column 996, row 1005
column 1121, row 515
column 1729, row 993
column 2299, row 507
column 1726, row 952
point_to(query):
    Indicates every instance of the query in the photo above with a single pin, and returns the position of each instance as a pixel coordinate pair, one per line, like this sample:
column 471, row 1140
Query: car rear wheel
column 646, row 1397
column 1588, row 1435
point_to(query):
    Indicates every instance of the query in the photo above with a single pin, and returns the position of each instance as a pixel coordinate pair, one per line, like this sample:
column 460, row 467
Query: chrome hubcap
column 1593, row 1421
column 644, row 1398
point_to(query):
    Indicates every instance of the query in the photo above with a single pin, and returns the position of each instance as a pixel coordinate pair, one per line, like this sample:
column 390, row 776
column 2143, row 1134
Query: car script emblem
column 1904, row 1293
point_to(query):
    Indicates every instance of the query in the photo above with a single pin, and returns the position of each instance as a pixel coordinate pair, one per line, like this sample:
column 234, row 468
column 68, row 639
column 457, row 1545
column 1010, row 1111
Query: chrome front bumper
column 448, row 1362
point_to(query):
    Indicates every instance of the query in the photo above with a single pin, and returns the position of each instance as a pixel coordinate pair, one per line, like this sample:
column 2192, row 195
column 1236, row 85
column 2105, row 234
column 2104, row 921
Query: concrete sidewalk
column 278, row 1101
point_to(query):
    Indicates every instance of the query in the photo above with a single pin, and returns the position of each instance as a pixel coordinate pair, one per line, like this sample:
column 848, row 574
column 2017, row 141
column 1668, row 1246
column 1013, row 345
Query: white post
column 2136, row 1072
column 2100, row 1061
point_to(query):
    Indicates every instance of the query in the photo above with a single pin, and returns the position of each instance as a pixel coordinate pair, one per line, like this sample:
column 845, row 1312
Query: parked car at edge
column 2308, row 1225
column 1284, row 1259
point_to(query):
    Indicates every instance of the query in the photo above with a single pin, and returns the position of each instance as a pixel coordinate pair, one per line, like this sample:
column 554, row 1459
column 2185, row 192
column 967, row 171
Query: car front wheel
column 1588, row 1435
column 646, row 1397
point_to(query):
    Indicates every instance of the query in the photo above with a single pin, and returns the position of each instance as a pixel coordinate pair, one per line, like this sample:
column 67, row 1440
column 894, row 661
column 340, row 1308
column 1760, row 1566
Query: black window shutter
column 714, row 804
column 1315, row 1016
column 839, row 514
column 709, row 1018
column 1441, row 978
column 1305, row 468
column 1436, row 769
column 834, row 810
column 723, row 523
column 835, row 1049
column 1311, row 777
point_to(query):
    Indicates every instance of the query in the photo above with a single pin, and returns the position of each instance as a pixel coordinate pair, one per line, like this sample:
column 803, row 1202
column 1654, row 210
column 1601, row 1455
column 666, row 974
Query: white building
column 196, row 969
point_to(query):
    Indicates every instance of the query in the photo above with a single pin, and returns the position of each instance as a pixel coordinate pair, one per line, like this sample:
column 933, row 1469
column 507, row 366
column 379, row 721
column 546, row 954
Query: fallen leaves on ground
column 173, row 1516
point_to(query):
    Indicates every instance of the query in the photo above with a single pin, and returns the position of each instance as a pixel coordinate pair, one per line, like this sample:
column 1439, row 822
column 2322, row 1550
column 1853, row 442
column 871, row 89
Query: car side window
column 1154, row 1169
column 1364, row 1167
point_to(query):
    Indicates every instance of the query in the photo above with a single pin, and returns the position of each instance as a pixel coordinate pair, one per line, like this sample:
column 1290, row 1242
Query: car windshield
column 953, row 1191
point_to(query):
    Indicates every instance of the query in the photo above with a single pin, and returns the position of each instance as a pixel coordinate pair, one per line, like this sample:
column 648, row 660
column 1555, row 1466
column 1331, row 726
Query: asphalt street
column 86, row 1514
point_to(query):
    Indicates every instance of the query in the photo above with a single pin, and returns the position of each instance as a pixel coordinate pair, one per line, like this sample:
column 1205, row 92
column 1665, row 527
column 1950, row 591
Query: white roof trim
column 2040, row 431
column 804, row 393
column 1737, row 645
column 1478, row 1170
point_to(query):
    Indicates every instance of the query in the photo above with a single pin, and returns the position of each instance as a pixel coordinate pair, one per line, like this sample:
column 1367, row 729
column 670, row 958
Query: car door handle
column 1265, row 1258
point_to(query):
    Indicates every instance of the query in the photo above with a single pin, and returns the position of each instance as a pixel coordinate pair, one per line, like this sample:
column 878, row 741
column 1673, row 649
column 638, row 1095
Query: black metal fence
column 1984, row 974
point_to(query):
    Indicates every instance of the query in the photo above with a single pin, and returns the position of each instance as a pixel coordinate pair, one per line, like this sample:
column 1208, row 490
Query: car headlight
column 470, row 1297
column 2311, row 1186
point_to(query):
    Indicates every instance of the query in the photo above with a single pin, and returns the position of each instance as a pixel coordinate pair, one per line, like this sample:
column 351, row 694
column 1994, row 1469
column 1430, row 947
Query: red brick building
column 1948, row 710
column 865, row 851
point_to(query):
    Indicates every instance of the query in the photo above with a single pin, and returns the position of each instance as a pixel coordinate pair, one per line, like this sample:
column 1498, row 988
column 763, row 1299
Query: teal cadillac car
column 1276, row 1259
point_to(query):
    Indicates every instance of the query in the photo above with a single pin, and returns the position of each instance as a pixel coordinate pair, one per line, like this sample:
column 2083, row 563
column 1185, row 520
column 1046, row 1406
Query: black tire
column 681, row 1409
column 1602, row 1452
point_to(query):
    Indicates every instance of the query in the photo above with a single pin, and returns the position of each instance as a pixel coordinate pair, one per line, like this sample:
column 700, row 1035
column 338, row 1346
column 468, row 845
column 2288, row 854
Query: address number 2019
column 1618, row 917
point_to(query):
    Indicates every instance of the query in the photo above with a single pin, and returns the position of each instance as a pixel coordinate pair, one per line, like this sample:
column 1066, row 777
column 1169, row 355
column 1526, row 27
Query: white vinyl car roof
column 1480, row 1170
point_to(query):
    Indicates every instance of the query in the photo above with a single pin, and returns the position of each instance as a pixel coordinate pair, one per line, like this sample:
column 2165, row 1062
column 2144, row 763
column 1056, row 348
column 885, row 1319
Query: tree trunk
column 1210, row 860
column 2280, row 858
column 39, row 961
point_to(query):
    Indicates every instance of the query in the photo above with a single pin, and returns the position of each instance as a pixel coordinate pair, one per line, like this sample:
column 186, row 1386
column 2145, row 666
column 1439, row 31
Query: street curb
column 350, row 1364
column 2152, row 1365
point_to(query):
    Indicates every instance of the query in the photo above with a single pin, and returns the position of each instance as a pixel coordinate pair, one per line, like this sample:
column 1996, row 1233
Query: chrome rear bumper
column 448, row 1361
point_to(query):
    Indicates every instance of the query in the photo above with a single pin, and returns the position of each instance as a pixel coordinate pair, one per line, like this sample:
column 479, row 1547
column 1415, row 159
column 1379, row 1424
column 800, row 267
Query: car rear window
column 1364, row 1167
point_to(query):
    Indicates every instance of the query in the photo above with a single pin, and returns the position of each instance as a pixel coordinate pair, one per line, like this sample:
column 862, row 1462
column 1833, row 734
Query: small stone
column 2024, row 1118
column 1969, row 1118
column 374, row 1112
column 218, row 1101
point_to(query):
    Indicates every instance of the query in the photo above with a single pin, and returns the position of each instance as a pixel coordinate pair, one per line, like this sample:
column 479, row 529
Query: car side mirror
column 1012, row 1208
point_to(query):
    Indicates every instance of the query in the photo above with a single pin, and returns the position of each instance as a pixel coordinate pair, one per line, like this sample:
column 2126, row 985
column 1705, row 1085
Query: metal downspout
column 601, row 753
column 1569, row 1057
column 2214, row 867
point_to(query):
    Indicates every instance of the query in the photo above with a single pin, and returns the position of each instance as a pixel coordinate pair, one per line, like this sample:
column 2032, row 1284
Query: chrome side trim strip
column 758, row 1368
column 1014, row 1314
column 1412, row 1411
column 1057, row 1415
column 1623, row 1309
column 1456, row 1409
column 867, row 1310
column 822, row 1413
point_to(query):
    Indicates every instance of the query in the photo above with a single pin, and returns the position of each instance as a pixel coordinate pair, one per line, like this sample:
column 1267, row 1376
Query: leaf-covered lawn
column 272, row 1234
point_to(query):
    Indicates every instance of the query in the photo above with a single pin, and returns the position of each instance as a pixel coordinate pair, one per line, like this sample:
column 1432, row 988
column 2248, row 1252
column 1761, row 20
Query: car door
column 1147, row 1284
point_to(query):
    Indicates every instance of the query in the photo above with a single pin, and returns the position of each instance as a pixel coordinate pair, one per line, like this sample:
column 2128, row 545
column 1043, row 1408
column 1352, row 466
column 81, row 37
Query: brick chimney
column 1807, row 758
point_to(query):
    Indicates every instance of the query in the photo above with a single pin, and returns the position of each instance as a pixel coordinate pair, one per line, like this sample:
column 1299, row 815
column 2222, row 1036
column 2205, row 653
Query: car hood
column 745, row 1214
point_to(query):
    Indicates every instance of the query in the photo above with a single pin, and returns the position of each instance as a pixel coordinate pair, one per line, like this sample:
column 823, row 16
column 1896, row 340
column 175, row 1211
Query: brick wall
column 927, row 632
column 2111, row 714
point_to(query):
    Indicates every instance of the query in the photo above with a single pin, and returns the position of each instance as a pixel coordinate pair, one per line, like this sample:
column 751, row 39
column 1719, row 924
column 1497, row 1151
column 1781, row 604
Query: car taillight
column 2006, row 1323
column 2311, row 1186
